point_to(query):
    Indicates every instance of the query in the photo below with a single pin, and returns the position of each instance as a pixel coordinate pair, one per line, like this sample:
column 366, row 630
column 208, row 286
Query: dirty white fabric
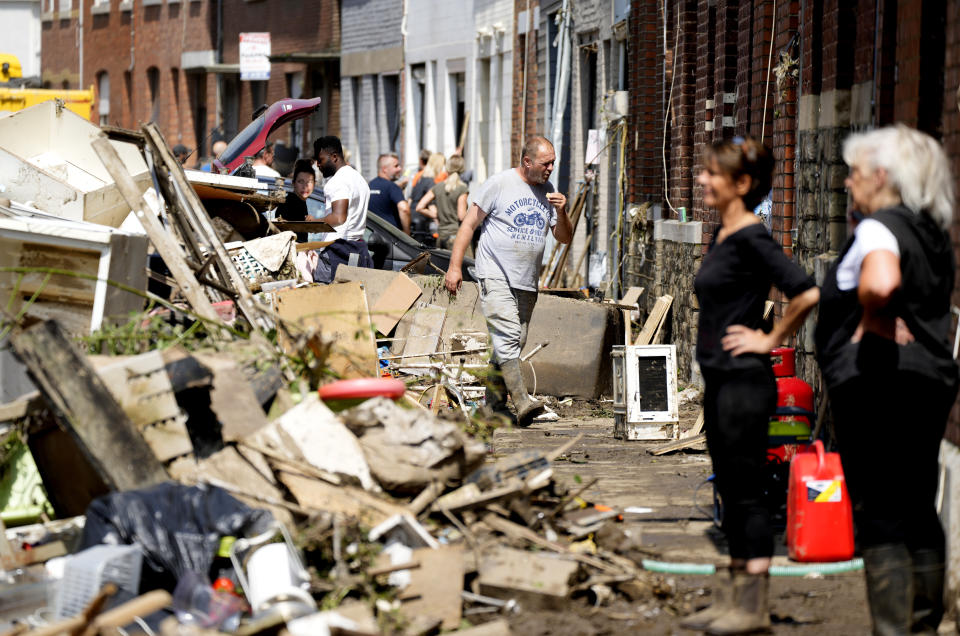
column 272, row 251
column 870, row 235
column 306, row 263
column 514, row 232
column 263, row 170
column 347, row 184
column 508, row 312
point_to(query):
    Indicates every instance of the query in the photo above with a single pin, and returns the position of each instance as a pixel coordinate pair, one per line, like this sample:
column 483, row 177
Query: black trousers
column 737, row 407
column 888, row 428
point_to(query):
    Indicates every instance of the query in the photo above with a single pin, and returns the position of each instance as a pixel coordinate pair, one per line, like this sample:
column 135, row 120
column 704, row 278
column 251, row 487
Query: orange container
column 819, row 518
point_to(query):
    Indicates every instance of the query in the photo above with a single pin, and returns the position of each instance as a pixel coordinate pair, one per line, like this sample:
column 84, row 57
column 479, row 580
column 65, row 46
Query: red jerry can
column 819, row 517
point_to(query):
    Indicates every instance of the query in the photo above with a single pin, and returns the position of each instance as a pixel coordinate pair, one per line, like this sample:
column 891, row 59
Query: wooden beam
column 147, row 211
column 85, row 408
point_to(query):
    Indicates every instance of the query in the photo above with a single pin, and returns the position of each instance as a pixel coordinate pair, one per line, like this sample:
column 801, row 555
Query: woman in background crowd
column 740, row 392
column 883, row 347
column 446, row 203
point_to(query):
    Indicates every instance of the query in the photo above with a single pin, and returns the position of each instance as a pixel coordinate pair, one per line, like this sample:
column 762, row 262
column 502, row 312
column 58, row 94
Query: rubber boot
column 889, row 576
column 749, row 613
column 928, row 572
column 722, row 594
column 495, row 398
column 527, row 407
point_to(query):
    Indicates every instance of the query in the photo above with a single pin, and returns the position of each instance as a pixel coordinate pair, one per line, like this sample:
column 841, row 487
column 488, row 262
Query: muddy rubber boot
column 889, row 576
column 495, row 398
column 749, row 613
column 722, row 594
column 928, row 572
column 527, row 407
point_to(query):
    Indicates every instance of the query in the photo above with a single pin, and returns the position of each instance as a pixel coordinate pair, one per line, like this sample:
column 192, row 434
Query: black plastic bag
column 177, row 527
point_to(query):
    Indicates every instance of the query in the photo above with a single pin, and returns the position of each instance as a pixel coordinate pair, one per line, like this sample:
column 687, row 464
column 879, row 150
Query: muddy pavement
column 677, row 528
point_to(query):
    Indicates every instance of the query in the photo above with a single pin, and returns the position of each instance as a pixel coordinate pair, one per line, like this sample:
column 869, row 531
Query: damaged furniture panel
column 46, row 158
column 100, row 254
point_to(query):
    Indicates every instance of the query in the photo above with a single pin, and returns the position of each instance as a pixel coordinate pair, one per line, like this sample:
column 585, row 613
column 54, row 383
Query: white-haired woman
column 883, row 347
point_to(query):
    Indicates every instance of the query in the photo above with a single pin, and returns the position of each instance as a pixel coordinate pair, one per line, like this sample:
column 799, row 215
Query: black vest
column 922, row 301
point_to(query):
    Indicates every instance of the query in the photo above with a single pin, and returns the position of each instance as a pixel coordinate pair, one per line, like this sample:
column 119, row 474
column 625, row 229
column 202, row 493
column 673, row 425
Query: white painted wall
column 488, row 150
column 20, row 33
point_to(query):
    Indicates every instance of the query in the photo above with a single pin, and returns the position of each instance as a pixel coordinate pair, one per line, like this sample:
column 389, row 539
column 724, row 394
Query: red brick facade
column 140, row 46
column 524, row 124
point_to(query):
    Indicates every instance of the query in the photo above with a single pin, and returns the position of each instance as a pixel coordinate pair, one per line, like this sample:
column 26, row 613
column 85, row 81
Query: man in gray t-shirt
column 514, row 211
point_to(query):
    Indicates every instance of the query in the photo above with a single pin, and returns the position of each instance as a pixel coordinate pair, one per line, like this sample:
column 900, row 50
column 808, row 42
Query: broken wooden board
column 85, row 407
column 654, row 322
column 316, row 494
column 631, row 296
column 423, row 336
column 142, row 388
column 696, row 442
column 339, row 313
column 697, row 427
column 435, row 586
column 534, row 580
column 394, row 302
column 232, row 399
column 229, row 467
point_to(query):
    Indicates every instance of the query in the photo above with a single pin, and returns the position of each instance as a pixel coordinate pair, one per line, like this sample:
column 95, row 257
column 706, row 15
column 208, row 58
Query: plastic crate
column 85, row 573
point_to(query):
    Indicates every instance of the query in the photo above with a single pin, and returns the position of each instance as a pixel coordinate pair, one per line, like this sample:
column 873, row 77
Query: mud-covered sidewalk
column 677, row 528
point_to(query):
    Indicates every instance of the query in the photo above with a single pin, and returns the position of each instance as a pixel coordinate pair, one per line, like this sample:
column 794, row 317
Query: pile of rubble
column 200, row 482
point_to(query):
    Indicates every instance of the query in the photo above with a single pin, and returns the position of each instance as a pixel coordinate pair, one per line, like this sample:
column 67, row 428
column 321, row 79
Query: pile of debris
column 200, row 481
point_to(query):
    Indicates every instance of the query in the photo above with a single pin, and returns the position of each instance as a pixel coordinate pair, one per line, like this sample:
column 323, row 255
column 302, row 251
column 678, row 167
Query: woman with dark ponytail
column 740, row 392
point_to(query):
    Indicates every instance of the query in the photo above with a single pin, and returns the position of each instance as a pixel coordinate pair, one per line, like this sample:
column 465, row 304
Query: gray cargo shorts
column 508, row 312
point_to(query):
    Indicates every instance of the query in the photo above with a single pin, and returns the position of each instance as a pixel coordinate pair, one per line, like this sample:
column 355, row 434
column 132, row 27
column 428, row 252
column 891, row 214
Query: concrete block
column 808, row 112
column 835, row 109
column 673, row 230
column 861, row 104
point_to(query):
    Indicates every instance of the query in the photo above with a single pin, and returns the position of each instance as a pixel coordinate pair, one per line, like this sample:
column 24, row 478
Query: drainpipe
column 526, row 52
column 219, row 96
column 80, row 44
column 563, row 85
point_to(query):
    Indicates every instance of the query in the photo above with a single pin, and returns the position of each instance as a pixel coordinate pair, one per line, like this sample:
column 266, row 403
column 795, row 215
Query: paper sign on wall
column 255, row 56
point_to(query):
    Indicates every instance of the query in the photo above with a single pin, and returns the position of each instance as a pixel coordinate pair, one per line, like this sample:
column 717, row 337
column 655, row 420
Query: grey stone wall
column 663, row 257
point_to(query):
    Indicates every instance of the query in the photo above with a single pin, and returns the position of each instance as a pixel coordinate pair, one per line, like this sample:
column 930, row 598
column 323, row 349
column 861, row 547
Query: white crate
column 645, row 392
column 85, row 573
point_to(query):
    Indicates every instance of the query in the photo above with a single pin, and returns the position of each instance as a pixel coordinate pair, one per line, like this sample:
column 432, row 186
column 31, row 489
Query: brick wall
column 127, row 44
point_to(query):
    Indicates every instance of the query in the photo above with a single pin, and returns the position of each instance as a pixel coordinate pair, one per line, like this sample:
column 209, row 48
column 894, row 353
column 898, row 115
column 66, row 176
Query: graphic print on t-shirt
column 528, row 221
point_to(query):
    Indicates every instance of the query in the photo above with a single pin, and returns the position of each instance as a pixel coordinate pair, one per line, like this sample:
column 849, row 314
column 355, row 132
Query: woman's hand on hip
column 741, row 339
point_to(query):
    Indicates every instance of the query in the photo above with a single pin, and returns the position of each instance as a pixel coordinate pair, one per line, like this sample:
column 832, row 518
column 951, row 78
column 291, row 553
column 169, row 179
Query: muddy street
column 677, row 529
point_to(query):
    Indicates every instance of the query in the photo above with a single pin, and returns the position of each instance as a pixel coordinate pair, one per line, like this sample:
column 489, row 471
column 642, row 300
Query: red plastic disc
column 362, row 389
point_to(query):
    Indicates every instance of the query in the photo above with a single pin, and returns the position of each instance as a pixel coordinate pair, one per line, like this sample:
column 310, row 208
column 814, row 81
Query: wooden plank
column 394, row 302
column 316, row 494
column 147, row 210
column 303, row 226
column 697, row 426
column 651, row 327
column 339, row 312
column 424, row 335
column 631, row 296
column 435, row 586
column 85, row 407
column 687, row 442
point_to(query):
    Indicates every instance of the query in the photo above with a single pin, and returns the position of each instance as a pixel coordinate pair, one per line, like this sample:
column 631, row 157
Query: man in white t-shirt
column 515, row 210
column 347, row 196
